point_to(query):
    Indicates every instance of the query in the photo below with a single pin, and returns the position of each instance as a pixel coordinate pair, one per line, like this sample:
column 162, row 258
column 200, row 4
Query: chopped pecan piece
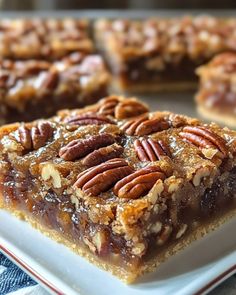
column 101, row 178
column 101, row 241
column 79, row 148
column 164, row 235
column 102, row 155
column 142, row 125
column 204, row 138
column 150, row 150
column 88, row 119
column 35, row 137
column 138, row 183
column 122, row 109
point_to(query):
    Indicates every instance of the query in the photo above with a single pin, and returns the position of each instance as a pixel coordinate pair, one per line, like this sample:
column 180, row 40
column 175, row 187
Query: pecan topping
column 101, row 178
column 149, row 150
column 138, row 183
column 79, row 148
column 102, row 155
column 36, row 137
column 121, row 109
column 204, row 138
column 130, row 108
column 88, row 119
column 107, row 106
column 142, row 125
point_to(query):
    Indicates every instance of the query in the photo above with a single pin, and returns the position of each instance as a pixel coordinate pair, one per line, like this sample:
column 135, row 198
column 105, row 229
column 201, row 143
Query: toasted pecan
column 130, row 108
column 101, row 178
column 88, row 119
column 138, row 183
column 203, row 137
column 121, row 109
column 107, row 105
column 79, row 148
column 142, row 125
column 150, row 150
column 35, row 137
column 102, row 155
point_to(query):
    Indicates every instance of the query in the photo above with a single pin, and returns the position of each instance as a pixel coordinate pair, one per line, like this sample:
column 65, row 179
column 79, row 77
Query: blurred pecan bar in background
column 216, row 98
column 162, row 54
column 121, row 186
column 43, row 38
column 32, row 89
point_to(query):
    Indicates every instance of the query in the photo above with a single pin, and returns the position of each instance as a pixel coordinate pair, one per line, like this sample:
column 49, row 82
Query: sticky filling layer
column 57, row 212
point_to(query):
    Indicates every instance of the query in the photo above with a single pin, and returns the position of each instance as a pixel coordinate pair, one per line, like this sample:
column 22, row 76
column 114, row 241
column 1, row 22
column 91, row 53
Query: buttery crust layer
column 213, row 115
column 119, row 86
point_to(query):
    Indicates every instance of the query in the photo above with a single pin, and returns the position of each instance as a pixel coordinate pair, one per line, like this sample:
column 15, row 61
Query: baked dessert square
column 216, row 97
column 32, row 89
column 124, row 187
column 43, row 38
column 162, row 54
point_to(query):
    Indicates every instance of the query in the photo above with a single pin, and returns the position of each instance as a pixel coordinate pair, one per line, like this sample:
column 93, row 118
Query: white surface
column 185, row 273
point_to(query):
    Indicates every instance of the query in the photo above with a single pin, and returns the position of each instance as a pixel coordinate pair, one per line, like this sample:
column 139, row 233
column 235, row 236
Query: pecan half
column 107, row 106
column 138, row 183
column 130, row 108
column 79, row 148
column 35, row 137
column 88, row 119
column 121, row 109
column 202, row 137
column 101, row 178
column 150, row 150
column 142, row 125
column 102, row 155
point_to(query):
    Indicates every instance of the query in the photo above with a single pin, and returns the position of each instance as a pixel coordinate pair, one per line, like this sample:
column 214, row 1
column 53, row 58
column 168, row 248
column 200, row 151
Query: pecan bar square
column 216, row 97
column 33, row 89
column 162, row 54
column 43, row 38
column 124, row 187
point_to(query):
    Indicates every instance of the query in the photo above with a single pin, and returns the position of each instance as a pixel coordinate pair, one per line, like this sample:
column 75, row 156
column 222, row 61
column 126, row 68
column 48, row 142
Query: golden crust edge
column 157, row 86
column 149, row 266
column 54, row 235
column 212, row 115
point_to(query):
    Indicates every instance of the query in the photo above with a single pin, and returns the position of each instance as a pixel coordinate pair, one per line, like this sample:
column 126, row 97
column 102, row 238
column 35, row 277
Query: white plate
column 196, row 270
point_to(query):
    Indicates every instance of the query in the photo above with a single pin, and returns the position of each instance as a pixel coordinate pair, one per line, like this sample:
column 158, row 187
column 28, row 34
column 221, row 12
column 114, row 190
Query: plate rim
column 30, row 271
column 49, row 286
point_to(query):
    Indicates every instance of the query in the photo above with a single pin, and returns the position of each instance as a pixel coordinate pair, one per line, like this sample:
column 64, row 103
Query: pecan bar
column 162, row 54
column 43, row 38
column 32, row 89
column 216, row 98
column 124, row 187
